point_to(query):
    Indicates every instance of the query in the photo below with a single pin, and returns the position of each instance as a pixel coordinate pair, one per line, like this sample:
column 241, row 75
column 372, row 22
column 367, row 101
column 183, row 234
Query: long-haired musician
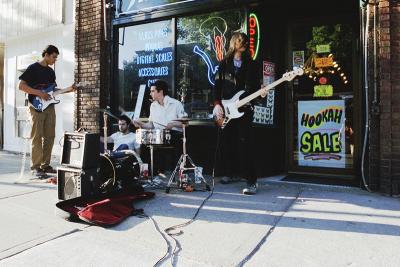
column 237, row 72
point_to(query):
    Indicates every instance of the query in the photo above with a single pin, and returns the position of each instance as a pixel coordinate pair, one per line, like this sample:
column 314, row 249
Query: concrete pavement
column 285, row 224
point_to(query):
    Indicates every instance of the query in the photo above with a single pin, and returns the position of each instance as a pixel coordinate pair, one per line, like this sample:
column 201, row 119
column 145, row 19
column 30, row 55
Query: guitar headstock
column 288, row 76
column 82, row 84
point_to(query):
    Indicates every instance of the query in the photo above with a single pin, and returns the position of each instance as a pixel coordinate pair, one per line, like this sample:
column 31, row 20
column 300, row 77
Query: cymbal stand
column 151, row 163
column 181, row 165
column 105, row 116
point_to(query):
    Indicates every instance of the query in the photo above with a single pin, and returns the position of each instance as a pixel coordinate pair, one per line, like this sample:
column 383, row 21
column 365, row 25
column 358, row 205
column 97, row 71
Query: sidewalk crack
column 40, row 243
column 274, row 224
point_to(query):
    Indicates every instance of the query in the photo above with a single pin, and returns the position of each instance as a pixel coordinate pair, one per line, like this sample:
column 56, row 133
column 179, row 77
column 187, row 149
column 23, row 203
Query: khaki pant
column 43, row 133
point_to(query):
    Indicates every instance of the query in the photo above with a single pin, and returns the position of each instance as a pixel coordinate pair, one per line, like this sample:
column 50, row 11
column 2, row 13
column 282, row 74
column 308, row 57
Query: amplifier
column 81, row 150
column 74, row 183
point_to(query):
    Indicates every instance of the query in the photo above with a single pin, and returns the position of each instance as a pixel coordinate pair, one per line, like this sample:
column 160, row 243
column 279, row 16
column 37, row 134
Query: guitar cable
column 169, row 230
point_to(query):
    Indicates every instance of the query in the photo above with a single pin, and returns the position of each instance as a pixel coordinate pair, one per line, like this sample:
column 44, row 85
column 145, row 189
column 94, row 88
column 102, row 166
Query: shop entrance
column 323, row 107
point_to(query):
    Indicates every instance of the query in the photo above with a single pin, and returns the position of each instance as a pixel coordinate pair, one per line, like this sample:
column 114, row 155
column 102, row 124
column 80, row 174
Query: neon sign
column 254, row 34
column 214, row 29
column 211, row 69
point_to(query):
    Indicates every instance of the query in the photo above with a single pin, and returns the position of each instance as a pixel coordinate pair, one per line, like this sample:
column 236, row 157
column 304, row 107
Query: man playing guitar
column 36, row 76
column 237, row 72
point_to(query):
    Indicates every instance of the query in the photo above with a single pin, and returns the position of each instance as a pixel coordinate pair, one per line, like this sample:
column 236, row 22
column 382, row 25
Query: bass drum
column 117, row 172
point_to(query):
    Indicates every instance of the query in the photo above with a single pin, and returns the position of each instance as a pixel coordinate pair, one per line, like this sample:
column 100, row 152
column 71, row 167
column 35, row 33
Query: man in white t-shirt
column 163, row 111
column 124, row 139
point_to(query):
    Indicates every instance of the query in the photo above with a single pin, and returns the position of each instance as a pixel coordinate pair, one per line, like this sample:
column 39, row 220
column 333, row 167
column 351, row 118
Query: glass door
column 323, row 101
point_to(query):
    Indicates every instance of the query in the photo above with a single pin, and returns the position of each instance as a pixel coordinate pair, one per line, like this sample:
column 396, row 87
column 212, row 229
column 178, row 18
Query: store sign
column 323, row 90
column 323, row 49
column 323, row 62
column 155, row 58
column 321, row 139
column 254, row 35
column 134, row 6
column 264, row 114
column 298, row 58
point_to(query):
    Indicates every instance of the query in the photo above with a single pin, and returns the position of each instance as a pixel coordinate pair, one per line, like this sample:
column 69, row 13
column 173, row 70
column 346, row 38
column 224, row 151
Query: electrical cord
column 169, row 230
column 365, row 37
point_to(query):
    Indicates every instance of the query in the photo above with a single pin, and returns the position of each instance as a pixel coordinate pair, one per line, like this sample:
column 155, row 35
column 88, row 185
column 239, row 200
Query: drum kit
column 151, row 138
column 118, row 170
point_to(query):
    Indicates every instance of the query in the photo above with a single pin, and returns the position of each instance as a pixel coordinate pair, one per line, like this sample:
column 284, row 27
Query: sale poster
column 321, row 133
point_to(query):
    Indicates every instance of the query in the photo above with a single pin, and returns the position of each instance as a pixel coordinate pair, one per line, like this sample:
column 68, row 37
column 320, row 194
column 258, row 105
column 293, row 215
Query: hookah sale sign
column 321, row 139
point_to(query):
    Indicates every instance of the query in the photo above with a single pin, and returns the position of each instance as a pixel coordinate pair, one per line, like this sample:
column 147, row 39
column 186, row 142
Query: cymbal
column 183, row 120
column 108, row 113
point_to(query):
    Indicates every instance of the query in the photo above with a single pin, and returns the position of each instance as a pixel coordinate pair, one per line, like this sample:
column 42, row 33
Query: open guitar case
column 103, row 210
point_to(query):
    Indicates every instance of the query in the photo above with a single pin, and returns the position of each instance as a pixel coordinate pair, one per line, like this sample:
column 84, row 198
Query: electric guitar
column 40, row 104
column 231, row 106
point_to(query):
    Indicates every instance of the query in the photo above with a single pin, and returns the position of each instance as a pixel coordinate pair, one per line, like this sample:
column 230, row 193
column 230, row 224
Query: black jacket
column 228, row 81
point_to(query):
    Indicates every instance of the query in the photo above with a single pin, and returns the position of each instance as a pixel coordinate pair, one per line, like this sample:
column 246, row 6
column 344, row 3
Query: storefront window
column 202, row 42
column 323, row 97
column 145, row 55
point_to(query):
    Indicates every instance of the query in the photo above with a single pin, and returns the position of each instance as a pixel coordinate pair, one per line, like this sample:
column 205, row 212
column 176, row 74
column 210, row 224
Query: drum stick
column 132, row 121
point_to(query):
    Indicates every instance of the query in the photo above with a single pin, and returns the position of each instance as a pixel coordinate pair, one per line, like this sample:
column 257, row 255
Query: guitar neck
column 256, row 94
column 61, row 91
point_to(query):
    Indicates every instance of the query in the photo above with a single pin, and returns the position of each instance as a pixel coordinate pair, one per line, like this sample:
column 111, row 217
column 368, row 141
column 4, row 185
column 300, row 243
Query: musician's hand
column 169, row 126
column 264, row 92
column 218, row 112
column 73, row 88
column 137, row 123
column 44, row 96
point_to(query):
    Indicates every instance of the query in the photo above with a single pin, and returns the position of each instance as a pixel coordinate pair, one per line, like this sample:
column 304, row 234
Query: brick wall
column 92, row 63
column 389, row 97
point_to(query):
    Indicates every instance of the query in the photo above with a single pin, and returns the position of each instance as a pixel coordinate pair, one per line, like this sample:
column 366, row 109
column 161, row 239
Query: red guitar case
column 103, row 210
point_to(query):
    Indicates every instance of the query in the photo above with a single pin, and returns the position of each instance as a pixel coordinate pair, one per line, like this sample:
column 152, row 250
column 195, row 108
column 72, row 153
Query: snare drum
column 153, row 136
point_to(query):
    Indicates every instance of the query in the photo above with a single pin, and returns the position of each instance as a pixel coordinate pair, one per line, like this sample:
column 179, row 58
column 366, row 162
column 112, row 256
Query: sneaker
column 229, row 180
column 38, row 173
column 48, row 169
column 250, row 189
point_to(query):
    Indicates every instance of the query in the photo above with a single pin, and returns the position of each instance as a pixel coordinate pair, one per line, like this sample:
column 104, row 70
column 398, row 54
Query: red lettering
column 251, row 40
column 251, row 52
column 252, row 22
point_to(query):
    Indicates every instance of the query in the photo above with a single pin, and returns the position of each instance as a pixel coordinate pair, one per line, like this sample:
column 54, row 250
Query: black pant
column 237, row 149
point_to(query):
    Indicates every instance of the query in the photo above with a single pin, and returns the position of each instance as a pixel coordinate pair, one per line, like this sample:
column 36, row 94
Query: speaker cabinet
column 81, row 150
column 74, row 183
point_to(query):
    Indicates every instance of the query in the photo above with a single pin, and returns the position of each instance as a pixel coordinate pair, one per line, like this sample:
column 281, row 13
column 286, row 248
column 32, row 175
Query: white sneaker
column 250, row 189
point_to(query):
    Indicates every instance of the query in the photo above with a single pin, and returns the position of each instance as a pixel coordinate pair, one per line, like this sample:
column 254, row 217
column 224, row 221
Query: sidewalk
column 285, row 224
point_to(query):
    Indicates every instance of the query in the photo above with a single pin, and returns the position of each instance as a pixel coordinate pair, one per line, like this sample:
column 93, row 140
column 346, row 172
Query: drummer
column 163, row 111
column 124, row 139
